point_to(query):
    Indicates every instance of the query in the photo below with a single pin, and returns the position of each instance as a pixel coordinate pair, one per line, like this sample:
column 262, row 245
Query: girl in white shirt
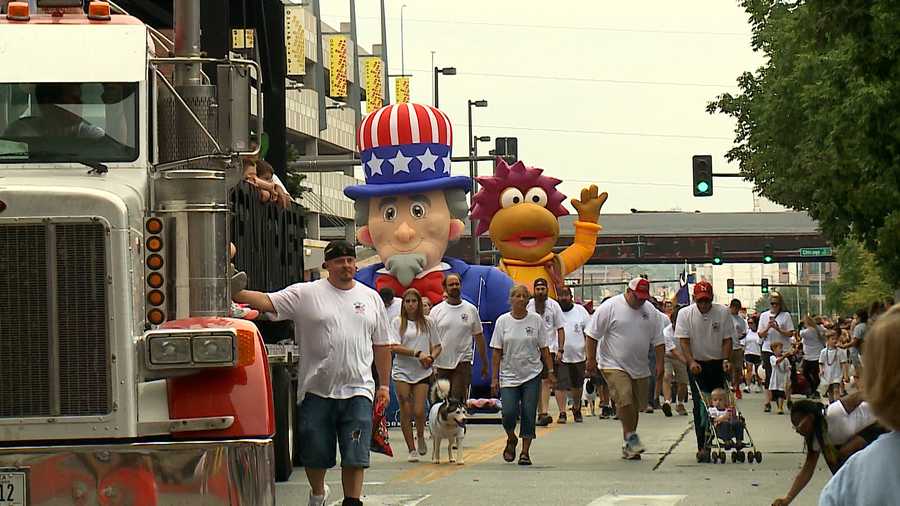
column 419, row 346
column 752, row 355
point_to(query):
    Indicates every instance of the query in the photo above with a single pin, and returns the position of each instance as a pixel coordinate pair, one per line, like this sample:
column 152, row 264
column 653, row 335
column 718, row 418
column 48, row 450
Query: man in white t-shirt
column 775, row 325
column 705, row 331
column 458, row 323
column 392, row 303
column 620, row 332
column 737, row 345
column 552, row 314
column 342, row 327
column 570, row 373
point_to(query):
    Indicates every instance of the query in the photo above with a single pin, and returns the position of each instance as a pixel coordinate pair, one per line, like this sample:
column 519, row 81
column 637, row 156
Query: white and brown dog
column 446, row 420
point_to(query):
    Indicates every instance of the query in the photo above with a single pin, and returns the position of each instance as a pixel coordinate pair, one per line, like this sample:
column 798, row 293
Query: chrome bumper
column 148, row 474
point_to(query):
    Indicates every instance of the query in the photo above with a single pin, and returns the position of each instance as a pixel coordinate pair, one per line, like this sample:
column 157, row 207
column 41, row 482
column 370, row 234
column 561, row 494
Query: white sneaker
column 318, row 500
column 633, row 444
column 423, row 447
column 413, row 456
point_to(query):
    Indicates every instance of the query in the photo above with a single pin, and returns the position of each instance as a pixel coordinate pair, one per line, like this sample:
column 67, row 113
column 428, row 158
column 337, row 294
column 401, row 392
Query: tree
column 860, row 282
column 817, row 124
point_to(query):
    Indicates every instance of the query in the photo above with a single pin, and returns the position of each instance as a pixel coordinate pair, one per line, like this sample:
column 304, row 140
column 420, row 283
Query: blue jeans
column 521, row 402
column 325, row 424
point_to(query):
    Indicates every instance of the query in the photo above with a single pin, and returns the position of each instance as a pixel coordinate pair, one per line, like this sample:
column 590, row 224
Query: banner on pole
column 374, row 72
column 295, row 40
column 338, row 53
column 402, row 89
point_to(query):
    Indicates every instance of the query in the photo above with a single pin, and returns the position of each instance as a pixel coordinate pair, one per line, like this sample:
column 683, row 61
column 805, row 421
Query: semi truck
column 123, row 380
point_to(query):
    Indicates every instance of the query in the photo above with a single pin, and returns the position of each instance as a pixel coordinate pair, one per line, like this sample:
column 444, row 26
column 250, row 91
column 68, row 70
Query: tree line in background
column 818, row 130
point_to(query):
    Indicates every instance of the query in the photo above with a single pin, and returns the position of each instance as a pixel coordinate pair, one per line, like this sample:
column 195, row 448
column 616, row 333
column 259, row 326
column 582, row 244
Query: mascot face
column 523, row 230
column 413, row 225
column 519, row 207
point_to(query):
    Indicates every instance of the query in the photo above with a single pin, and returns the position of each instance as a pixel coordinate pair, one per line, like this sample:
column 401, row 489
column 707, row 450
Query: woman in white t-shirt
column 752, row 355
column 520, row 355
column 813, row 338
column 419, row 346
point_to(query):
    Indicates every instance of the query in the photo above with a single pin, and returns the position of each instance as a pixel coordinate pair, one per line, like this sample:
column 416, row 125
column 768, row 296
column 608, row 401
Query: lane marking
column 638, row 500
column 428, row 472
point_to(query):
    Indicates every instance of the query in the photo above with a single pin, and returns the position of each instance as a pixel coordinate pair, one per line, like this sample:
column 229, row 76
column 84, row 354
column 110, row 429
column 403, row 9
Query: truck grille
column 54, row 346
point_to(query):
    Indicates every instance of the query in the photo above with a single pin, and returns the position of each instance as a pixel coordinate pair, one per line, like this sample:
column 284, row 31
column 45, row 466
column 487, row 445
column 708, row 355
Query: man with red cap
column 705, row 331
column 620, row 332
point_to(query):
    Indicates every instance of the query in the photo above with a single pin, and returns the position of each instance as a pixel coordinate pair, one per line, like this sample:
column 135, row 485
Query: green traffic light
column 702, row 187
column 767, row 259
column 717, row 260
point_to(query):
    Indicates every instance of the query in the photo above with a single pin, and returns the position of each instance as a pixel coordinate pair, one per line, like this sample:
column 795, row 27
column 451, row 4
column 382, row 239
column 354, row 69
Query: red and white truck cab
column 122, row 381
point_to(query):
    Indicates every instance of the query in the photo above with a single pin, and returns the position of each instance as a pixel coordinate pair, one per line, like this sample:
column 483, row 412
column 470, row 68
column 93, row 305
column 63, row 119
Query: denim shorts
column 325, row 424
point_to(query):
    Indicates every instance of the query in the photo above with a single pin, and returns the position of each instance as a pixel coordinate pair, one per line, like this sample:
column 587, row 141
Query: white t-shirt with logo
column 624, row 335
column 456, row 325
column 575, row 321
column 408, row 369
column 335, row 330
column 706, row 331
column 784, row 321
column 752, row 345
column 553, row 320
column 740, row 331
column 521, row 342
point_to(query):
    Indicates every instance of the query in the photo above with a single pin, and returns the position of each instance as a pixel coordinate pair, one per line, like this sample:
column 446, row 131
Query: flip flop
column 524, row 460
column 509, row 453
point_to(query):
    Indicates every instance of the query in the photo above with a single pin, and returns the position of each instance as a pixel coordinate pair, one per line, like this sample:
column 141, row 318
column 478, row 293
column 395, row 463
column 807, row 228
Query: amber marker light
column 156, row 297
column 155, row 280
column 98, row 11
column 155, row 262
column 156, row 316
column 154, row 225
column 154, row 244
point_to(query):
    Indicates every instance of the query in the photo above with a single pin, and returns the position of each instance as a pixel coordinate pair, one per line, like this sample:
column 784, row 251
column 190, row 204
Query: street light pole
column 402, row 56
column 447, row 71
column 472, row 155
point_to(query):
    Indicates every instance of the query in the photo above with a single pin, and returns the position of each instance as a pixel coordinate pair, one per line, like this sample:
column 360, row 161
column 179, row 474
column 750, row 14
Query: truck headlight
column 170, row 350
column 192, row 348
column 213, row 349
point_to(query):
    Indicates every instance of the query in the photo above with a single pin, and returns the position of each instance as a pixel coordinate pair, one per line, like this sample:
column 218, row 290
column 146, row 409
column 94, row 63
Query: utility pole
column 384, row 54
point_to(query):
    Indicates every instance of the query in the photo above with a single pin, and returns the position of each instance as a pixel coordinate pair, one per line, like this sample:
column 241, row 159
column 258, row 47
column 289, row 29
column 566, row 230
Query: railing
column 269, row 240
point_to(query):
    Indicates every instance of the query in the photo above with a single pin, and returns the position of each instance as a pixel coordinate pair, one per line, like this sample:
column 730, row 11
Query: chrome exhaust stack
column 202, row 132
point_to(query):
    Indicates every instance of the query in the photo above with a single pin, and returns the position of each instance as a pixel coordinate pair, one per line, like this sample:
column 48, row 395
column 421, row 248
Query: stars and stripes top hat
column 405, row 148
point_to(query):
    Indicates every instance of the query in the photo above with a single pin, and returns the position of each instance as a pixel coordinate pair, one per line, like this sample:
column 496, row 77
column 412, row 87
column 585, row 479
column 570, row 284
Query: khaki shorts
column 626, row 391
column 676, row 368
column 737, row 359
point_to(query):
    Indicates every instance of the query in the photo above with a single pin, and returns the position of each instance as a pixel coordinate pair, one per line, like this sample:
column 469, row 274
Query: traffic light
column 765, row 285
column 717, row 256
column 703, row 176
column 730, row 285
column 768, row 254
column 507, row 148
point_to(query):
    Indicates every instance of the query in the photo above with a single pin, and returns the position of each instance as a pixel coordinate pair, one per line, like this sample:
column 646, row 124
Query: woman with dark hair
column 419, row 346
column 835, row 431
column 813, row 338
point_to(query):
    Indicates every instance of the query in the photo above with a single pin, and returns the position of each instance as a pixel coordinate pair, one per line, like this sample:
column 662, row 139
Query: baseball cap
column 540, row 282
column 640, row 287
column 703, row 290
column 339, row 248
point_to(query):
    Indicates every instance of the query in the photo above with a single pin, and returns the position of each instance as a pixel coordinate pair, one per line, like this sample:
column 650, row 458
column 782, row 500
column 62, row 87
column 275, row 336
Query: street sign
column 572, row 281
column 816, row 252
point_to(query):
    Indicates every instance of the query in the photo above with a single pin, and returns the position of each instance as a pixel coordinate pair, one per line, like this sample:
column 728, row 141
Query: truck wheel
column 284, row 423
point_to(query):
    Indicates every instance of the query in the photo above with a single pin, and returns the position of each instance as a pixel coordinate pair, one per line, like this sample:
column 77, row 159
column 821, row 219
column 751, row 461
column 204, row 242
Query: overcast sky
column 604, row 92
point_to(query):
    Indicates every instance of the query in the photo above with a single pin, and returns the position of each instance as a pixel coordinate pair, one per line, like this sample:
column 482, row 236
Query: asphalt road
column 580, row 464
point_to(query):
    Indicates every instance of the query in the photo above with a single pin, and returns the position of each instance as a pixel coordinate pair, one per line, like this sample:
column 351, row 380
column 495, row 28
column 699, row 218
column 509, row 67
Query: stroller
column 714, row 446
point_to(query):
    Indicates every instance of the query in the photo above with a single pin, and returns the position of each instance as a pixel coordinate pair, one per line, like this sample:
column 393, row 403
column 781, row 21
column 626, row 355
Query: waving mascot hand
column 520, row 208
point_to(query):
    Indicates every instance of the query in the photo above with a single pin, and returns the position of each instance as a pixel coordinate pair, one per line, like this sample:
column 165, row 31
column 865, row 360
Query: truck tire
column 284, row 423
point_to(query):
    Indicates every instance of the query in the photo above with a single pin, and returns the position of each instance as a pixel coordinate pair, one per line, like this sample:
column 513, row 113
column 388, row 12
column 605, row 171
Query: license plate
column 13, row 488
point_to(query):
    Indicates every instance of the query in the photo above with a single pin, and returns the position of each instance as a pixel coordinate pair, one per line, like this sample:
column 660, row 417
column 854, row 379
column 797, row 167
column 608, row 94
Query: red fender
column 244, row 392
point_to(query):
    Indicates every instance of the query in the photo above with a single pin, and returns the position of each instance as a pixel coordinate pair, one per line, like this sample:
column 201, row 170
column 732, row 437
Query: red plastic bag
column 380, row 441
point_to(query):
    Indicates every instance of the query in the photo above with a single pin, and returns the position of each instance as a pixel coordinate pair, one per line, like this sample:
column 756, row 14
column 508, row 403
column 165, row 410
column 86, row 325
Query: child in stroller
column 729, row 427
column 725, row 429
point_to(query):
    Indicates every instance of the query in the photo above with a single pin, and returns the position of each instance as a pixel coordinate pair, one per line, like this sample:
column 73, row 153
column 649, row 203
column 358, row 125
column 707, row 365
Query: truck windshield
column 68, row 122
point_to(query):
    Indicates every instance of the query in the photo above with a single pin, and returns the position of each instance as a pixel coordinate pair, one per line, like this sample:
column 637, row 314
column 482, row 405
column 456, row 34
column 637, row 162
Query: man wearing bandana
column 410, row 208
